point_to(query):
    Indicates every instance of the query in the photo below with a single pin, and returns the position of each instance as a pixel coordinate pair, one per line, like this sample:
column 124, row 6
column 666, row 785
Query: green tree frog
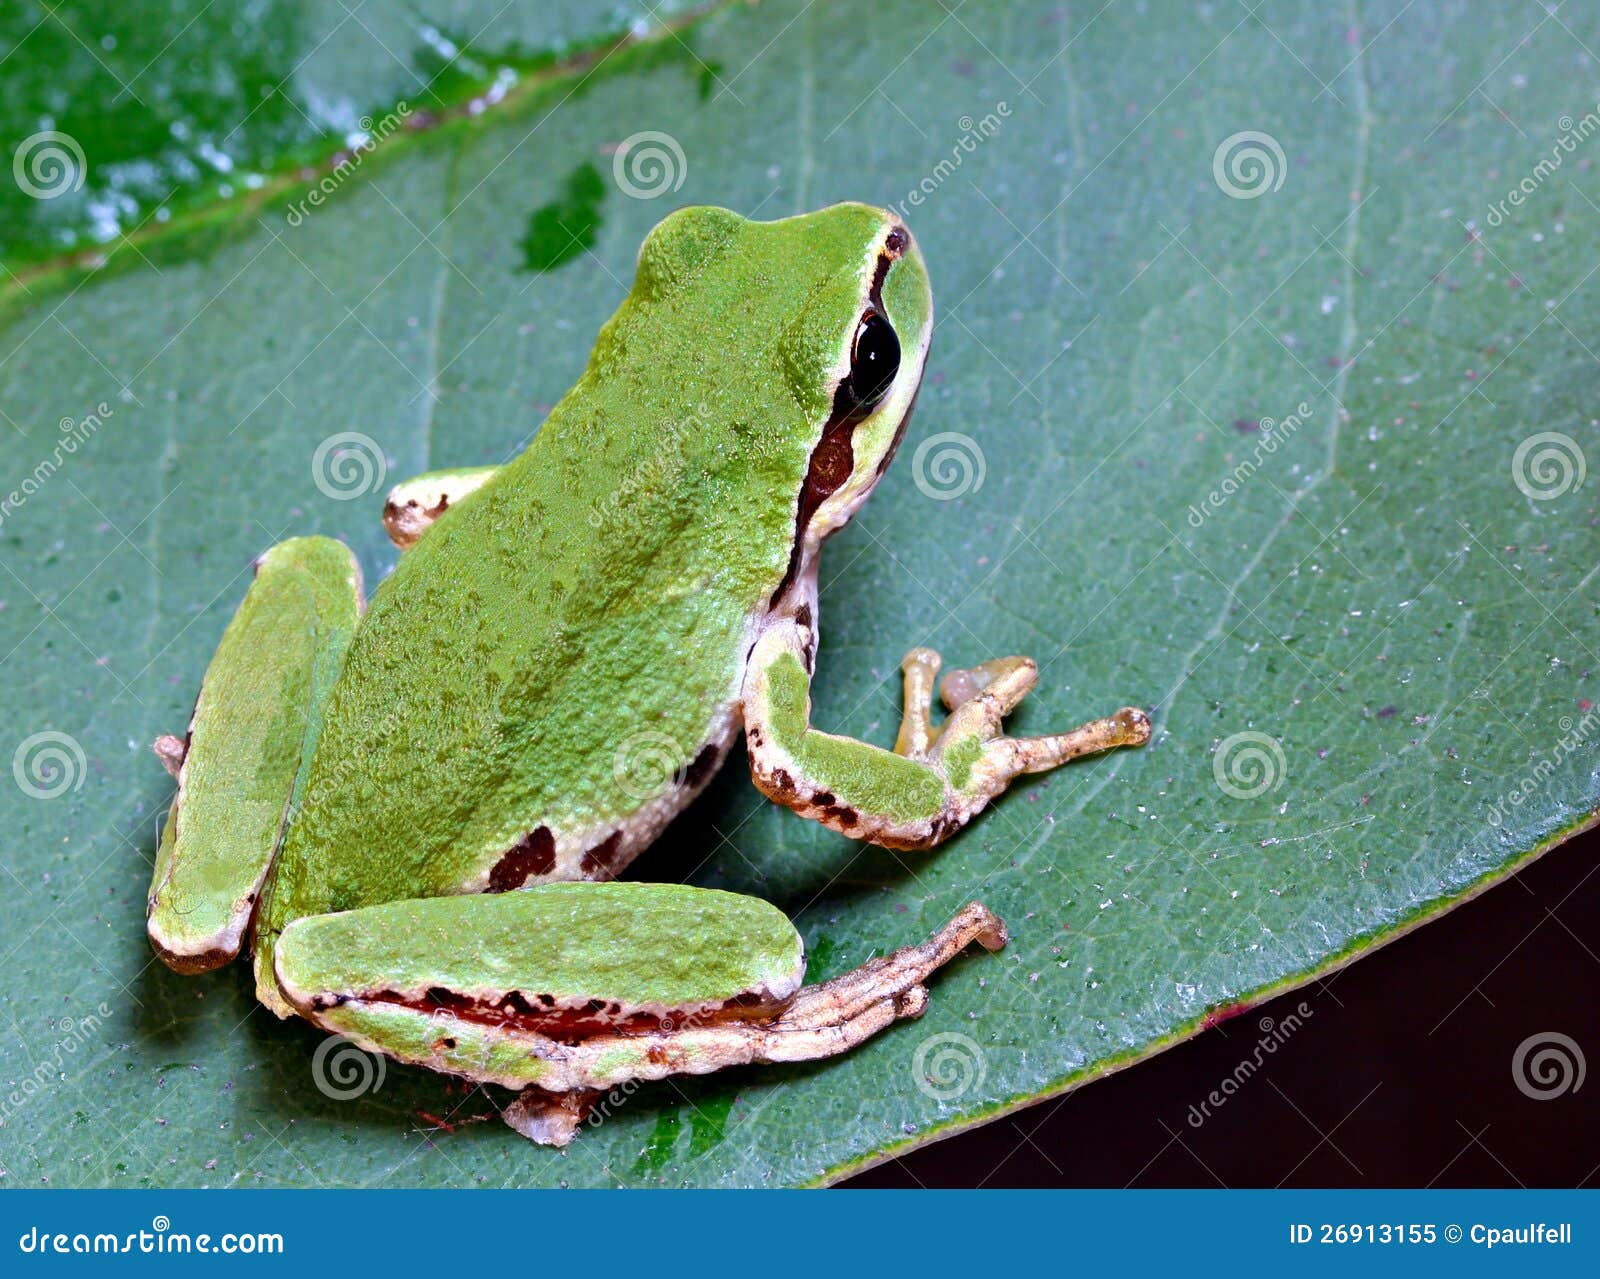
column 412, row 813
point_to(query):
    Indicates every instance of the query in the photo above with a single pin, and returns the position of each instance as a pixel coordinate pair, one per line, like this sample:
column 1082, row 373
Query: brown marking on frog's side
column 534, row 854
column 601, row 860
column 701, row 767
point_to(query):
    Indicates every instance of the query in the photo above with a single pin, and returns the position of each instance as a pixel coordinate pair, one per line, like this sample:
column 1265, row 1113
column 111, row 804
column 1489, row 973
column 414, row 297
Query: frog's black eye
column 874, row 360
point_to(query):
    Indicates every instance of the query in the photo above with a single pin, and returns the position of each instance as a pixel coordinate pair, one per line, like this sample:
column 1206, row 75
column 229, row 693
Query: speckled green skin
column 656, row 947
column 259, row 713
column 601, row 585
column 601, row 589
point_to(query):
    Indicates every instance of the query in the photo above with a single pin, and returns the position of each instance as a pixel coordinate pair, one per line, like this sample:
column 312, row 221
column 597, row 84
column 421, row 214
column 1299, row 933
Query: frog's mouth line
column 833, row 459
column 540, row 1016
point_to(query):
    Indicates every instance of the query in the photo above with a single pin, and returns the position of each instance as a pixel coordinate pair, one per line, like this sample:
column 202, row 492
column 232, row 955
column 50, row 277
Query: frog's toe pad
column 549, row 1118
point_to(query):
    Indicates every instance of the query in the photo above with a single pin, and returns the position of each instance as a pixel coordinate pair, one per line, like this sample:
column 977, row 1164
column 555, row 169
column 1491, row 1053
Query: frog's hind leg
column 243, row 758
column 412, row 507
column 570, row 989
column 825, row 1020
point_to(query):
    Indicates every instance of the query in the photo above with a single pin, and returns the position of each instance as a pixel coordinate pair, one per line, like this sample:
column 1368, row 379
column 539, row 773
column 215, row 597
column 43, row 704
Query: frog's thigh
column 937, row 778
column 580, row 986
column 253, row 729
column 510, row 987
column 413, row 506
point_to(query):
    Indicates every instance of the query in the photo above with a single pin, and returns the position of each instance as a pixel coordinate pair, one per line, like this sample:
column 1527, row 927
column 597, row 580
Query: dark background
column 1401, row 1076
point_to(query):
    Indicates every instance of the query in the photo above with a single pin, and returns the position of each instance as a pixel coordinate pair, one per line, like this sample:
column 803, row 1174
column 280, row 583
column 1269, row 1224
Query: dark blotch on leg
column 534, row 855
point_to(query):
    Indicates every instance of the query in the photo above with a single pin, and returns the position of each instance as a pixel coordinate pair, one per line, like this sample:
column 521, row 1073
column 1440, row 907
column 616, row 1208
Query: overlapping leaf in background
column 1283, row 435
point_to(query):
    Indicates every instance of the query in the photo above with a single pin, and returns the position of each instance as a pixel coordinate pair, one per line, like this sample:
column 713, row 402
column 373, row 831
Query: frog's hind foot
column 822, row 1021
column 887, row 988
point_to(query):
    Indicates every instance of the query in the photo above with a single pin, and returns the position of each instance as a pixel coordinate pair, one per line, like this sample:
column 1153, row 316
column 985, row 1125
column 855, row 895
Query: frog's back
column 555, row 653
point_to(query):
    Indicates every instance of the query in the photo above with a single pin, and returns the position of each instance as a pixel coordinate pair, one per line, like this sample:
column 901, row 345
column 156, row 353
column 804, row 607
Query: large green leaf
column 1388, row 606
column 166, row 104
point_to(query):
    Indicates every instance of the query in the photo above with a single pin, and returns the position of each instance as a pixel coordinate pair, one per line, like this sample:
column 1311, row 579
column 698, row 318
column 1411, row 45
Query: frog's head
column 857, row 346
column 808, row 340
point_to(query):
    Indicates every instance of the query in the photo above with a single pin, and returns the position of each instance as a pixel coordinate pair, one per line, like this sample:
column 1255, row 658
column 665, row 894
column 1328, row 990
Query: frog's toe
column 1129, row 726
column 170, row 749
column 549, row 1118
column 920, row 667
column 1006, row 681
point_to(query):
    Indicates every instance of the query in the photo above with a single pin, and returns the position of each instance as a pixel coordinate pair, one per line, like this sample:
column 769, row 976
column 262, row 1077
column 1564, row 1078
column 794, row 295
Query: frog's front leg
column 937, row 778
column 412, row 507
column 565, row 989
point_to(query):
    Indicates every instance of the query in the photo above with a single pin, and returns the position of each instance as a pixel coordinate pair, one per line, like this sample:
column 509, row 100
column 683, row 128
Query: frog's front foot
column 978, row 699
column 938, row 777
